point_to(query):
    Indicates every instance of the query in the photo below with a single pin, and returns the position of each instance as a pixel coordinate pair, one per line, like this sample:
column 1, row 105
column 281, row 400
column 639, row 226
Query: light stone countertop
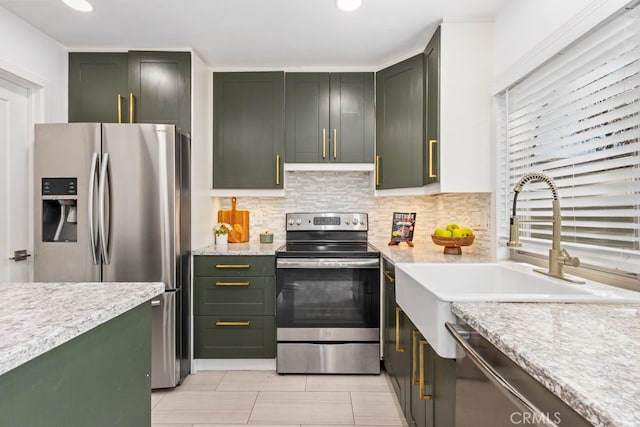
column 587, row 354
column 37, row 317
column 421, row 252
column 428, row 252
column 246, row 248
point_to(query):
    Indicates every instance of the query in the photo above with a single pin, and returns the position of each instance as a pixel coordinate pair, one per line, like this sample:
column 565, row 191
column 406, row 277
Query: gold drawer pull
column 423, row 396
column 232, row 283
column 388, row 276
column 247, row 323
column 398, row 348
column 233, row 265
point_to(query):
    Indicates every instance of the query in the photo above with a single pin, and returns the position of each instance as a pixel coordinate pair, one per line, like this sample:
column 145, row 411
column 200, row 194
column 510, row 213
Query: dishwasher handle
column 461, row 335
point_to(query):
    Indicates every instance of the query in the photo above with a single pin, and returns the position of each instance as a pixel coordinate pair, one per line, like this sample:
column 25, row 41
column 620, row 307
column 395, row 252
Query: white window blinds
column 577, row 119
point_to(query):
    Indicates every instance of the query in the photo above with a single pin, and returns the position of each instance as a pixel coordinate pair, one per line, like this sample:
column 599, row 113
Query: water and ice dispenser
column 59, row 209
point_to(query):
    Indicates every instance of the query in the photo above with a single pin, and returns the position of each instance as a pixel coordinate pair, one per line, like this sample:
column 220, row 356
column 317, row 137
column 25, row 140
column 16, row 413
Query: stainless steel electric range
column 328, row 296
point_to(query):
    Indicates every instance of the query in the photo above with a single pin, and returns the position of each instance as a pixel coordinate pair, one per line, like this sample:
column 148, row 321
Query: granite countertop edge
column 38, row 317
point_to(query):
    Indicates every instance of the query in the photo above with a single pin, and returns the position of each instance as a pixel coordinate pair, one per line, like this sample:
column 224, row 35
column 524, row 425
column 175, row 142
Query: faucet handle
column 569, row 260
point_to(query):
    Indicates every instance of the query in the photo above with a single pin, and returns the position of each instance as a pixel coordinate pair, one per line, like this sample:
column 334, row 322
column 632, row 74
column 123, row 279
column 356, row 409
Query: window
column 577, row 119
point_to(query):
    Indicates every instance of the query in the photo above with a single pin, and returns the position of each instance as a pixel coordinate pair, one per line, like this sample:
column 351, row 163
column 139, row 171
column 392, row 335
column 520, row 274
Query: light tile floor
column 266, row 399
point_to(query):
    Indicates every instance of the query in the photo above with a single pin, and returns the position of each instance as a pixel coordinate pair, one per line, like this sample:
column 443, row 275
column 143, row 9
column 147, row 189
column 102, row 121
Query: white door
column 14, row 181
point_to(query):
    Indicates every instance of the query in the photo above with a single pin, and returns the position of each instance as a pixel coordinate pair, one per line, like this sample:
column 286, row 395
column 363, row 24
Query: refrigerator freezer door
column 62, row 245
column 165, row 365
column 140, row 203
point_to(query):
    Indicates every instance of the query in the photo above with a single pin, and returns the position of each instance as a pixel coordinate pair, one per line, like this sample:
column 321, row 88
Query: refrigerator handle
column 104, row 170
column 91, row 200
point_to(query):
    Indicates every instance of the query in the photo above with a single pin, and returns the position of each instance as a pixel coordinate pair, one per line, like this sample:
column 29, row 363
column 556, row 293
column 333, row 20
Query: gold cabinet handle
column 120, row 98
column 247, row 323
column 415, row 379
column 398, row 348
column 277, row 169
column 388, row 276
column 418, row 347
column 131, row 99
column 431, row 173
column 324, row 143
column 335, row 143
column 378, row 170
column 232, row 283
column 233, row 265
column 423, row 396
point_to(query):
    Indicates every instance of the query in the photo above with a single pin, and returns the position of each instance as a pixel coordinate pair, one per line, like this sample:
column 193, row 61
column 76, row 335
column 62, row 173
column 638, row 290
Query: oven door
column 328, row 299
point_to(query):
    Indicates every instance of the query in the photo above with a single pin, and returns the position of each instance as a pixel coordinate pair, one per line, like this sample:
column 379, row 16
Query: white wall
column 32, row 55
column 527, row 33
column 202, row 206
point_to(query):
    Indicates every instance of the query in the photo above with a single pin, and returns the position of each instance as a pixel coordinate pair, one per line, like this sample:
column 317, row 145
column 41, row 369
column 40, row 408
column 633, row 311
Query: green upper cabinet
column 133, row 87
column 98, row 87
column 161, row 85
column 399, row 124
column 329, row 117
column 248, row 130
column 432, row 108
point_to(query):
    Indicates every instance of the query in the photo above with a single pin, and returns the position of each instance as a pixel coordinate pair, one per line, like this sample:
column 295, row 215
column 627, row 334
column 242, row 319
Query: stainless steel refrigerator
column 112, row 204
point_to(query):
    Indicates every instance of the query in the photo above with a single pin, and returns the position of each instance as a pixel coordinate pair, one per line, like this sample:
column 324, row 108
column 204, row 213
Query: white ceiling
column 254, row 34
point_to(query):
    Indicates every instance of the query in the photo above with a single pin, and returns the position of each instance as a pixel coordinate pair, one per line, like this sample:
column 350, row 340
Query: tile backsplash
column 352, row 191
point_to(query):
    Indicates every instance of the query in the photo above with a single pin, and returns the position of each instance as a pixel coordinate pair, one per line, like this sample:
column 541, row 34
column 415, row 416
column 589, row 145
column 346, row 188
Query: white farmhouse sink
column 425, row 292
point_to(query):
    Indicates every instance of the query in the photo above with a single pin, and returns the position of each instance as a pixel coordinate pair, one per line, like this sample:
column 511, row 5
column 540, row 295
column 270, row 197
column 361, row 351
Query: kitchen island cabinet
column 329, row 118
column 234, row 307
column 248, row 130
column 130, row 87
column 76, row 353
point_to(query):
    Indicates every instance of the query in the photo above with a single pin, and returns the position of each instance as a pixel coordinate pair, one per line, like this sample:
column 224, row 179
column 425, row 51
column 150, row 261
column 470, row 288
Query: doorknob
column 20, row 255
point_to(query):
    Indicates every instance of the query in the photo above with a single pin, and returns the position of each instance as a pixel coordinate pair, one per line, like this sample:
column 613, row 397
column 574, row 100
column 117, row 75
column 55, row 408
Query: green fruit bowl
column 453, row 245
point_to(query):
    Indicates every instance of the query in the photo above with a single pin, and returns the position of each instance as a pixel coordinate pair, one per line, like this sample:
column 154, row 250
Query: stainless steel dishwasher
column 492, row 391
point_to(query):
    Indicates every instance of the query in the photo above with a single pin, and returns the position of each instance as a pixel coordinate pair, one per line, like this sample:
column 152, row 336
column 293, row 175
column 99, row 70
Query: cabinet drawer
column 237, row 296
column 234, row 337
column 234, row 265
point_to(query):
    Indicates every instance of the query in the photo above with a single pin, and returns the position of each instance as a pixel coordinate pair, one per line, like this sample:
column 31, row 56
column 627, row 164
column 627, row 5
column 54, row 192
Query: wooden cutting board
column 239, row 221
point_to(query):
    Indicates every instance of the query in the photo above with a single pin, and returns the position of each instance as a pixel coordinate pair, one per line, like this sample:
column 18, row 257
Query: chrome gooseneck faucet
column 558, row 257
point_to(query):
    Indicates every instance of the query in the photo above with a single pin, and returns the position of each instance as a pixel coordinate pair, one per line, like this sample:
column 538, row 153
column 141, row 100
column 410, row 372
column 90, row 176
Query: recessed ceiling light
column 81, row 5
column 348, row 5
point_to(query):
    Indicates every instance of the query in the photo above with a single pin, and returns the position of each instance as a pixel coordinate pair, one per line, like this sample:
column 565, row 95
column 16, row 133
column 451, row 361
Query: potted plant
column 221, row 231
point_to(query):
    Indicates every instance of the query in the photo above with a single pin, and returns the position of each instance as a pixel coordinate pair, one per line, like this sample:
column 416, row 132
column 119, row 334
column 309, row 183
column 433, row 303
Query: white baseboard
column 233, row 365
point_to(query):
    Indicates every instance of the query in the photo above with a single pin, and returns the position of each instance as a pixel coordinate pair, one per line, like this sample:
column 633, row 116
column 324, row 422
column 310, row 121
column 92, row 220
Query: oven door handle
column 318, row 263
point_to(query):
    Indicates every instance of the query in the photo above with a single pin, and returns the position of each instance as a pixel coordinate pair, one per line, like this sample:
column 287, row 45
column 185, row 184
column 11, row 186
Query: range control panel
column 342, row 221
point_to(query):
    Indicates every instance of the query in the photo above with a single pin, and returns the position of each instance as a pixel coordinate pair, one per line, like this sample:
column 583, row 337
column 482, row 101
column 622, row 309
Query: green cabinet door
column 329, row 117
column 248, row 130
column 98, row 87
column 307, row 117
column 433, row 391
column 161, row 86
column 352, row 118
column 432, row 109
column 399, row 124
column 397, row 333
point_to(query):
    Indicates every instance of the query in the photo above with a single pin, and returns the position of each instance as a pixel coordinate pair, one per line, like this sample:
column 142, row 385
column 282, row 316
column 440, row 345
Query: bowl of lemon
column 453, row 237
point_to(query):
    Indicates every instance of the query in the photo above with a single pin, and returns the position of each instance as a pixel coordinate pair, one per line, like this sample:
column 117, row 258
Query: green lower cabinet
column 234, row 337
column 100, row 378
column 234, row 300
column 397, row 340
column 232, row 296
column 433, row 386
